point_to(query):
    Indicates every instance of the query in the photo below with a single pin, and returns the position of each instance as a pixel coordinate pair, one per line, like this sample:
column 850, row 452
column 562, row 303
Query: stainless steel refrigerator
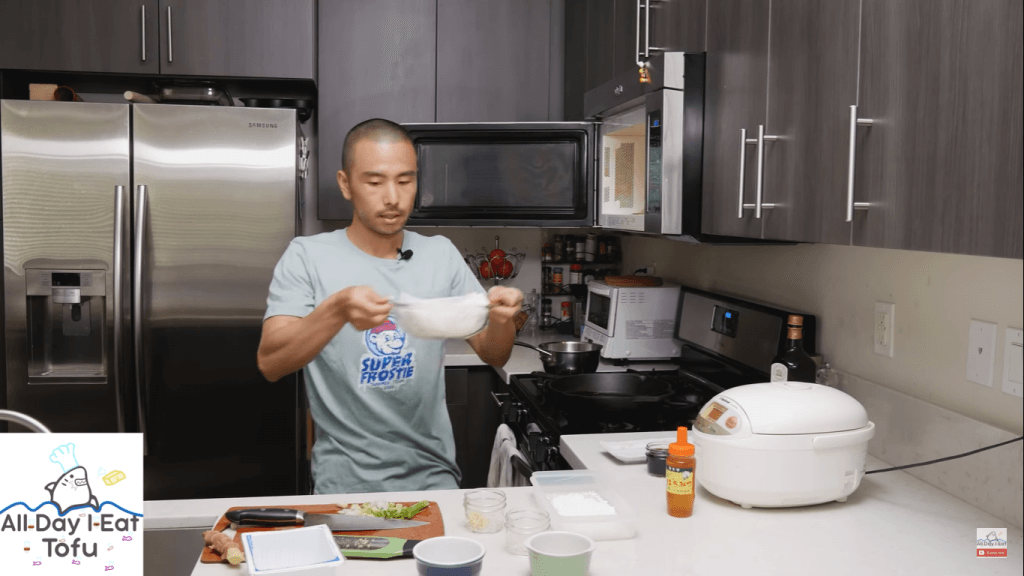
column 139, row 242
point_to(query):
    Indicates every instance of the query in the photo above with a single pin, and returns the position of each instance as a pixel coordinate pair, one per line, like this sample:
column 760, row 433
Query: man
column 376, row 393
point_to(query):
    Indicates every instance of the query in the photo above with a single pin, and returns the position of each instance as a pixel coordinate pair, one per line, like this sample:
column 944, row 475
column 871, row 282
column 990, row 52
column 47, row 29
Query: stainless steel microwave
column 636, row 166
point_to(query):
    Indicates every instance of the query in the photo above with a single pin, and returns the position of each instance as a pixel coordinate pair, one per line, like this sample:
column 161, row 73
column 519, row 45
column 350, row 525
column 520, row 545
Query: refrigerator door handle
column 118, row 358
column 140, row 235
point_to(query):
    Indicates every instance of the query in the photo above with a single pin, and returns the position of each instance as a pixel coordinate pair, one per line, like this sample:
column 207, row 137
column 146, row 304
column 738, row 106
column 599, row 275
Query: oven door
column 602, row 306
column 504, row 174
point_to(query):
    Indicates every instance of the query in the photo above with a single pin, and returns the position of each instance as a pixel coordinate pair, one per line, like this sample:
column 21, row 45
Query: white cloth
column 502, row 474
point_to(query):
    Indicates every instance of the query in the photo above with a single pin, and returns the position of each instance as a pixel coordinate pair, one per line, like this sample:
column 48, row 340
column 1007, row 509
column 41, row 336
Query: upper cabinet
column 236, row 38
column 493, row 61
column 939, row 168
column 113, row 36
column 241, row 38
column 377, row 60
column 613, row 43
column 887, row 124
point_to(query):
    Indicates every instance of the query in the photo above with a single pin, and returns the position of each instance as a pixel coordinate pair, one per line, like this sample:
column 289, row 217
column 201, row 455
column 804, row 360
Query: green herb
column 399, row 511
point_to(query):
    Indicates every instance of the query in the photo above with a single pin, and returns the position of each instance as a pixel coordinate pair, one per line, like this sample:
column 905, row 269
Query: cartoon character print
column 387, row 365
column 72, row 488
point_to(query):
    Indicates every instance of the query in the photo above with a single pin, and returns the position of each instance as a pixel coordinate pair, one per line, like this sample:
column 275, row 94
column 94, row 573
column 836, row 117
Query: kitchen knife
column 375, row 547
column 336, row 522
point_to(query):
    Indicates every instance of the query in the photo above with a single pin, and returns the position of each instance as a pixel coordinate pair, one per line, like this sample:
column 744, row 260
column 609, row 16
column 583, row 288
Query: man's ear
column 343, row 184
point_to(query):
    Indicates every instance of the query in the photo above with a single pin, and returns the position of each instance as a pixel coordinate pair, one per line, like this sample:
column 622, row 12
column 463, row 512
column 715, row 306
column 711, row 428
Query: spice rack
column 565, row 273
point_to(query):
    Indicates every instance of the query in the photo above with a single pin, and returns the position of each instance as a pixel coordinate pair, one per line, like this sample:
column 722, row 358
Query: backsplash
column 908, row 431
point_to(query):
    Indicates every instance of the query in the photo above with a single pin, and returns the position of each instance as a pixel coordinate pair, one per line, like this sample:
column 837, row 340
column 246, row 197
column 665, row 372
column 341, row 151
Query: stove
column 711, row 361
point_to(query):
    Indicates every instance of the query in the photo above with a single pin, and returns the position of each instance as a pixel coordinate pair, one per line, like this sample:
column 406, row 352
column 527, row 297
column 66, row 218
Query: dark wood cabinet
column 941, row 165
column 475, row 418
column 735, row 105
column 812, row 82
column 493, row 60
column 241, row 38
column 376, row 61
column 112, row 36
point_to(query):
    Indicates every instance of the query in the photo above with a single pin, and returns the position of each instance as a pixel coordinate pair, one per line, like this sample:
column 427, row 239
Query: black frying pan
column 605, row 392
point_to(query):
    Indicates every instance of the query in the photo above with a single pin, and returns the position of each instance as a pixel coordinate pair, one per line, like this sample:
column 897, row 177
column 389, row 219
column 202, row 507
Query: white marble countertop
column 894, row 524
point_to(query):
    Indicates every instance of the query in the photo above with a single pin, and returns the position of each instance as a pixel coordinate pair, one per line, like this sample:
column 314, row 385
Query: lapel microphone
column 407, row 255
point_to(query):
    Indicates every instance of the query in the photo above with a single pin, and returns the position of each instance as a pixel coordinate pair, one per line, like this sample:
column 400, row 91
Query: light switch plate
column 1012, row 360
column 885, row 323
column 981, row 352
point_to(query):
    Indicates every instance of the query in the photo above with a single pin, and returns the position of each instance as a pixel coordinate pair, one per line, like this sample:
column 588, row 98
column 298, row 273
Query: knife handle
column 266, row 517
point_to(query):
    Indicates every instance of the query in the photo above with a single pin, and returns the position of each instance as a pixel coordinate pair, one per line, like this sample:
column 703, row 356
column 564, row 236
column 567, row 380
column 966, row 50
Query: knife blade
column 336, row 522
column 380, row 547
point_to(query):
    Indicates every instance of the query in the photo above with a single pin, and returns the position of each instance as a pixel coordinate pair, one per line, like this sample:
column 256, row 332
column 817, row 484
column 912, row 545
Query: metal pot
column 567, row 357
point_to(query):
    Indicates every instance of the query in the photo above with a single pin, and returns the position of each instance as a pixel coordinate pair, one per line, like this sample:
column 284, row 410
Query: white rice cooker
column 781, row 444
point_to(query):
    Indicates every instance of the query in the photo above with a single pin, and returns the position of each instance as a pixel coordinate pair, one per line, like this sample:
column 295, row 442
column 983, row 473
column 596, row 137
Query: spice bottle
column 679, row 470
column 556, row 277
column 566, row 311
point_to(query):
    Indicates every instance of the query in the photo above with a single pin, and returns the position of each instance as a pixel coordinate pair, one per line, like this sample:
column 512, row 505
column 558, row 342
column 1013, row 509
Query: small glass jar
column 558, row 254
column 576, row 274
column 557, row 277
column 545, row 253
column 591, row 247
column 566, row 310
column 581, row 248
column 657, row 452
column 485, row 510
column 520, row 524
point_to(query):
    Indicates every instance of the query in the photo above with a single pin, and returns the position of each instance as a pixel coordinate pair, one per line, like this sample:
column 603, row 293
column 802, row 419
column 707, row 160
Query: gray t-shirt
column 377, row 396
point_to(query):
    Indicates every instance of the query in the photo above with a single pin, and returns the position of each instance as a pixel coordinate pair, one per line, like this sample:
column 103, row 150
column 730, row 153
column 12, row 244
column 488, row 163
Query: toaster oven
column 632, row 323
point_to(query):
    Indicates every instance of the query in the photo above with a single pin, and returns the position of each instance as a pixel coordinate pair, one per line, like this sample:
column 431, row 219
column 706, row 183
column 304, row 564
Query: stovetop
column 695, row 380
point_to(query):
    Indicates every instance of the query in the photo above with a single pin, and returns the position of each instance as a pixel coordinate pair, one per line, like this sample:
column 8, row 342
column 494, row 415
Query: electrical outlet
column 981, row 352
column 885, row 324
column 1012, row 362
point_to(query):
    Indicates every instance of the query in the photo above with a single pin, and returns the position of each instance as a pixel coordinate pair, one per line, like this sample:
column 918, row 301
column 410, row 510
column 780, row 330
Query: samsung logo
column 261, row 125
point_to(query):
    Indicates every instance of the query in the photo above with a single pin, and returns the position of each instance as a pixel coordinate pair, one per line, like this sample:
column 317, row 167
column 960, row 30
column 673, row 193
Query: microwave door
column 663, row 211
column 622, row 156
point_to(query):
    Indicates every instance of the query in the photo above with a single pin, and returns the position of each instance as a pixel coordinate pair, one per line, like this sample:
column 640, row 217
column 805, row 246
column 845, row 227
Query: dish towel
column 501, row 474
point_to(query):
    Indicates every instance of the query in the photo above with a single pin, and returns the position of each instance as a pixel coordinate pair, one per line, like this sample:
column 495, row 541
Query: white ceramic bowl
column 559, row 554
column 449, row 556
column 440, row 318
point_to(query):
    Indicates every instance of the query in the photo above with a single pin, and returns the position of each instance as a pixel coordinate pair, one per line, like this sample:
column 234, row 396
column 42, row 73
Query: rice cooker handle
column 844, row 439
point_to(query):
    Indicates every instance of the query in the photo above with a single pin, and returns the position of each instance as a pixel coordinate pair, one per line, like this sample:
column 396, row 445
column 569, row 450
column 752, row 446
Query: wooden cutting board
column 431, row 514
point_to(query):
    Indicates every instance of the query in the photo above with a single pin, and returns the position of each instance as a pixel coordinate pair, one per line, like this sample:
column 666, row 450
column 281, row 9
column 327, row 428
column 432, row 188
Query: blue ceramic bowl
column 449, row 556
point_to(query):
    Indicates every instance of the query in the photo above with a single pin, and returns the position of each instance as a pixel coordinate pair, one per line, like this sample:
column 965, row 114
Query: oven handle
column 522, row 467
column 498, row 400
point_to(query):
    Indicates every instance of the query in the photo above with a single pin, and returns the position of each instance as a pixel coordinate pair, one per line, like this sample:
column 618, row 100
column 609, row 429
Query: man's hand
column 361, row 307
column 505, row 303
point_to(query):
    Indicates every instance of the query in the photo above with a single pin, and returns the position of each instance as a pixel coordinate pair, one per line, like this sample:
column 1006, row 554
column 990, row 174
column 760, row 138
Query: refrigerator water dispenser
column 66, row 326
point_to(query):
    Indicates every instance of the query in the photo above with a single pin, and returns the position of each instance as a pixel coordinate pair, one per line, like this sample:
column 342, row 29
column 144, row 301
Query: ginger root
column 223, row 544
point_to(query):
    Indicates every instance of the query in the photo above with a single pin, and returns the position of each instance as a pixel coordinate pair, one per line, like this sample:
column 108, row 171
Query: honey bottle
column 680, row 467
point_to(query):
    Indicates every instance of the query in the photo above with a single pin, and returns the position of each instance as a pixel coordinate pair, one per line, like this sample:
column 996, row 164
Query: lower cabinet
column 475, row 418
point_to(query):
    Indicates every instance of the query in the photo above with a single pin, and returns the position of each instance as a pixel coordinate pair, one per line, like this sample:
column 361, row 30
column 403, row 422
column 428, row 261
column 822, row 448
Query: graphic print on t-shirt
column 387, row 366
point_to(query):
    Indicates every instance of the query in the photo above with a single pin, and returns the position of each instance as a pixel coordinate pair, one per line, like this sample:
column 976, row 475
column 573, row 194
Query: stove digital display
column 725, row 321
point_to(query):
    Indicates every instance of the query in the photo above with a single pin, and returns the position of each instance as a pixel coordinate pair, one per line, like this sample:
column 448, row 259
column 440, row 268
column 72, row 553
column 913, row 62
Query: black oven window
column 599, row 308
column 497, row 175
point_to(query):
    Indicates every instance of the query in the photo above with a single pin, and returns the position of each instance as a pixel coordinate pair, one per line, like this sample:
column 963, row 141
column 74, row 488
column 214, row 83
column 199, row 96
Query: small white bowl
column 449, row 556
column 559, row 554
column 441, row 318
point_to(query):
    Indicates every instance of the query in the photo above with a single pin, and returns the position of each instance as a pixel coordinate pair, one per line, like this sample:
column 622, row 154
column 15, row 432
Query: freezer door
column 215, row 207
column 62, row 163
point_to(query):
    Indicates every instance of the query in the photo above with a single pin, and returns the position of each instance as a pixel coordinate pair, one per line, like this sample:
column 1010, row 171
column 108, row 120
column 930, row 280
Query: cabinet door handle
column 744, row 142
column 639, row 62
column 761, row 138
column 170, row 42
column 850, row 204
column 143, row 32
column 647, row 28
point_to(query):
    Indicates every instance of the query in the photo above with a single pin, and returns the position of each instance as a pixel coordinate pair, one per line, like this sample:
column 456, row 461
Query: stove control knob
column 522, row 414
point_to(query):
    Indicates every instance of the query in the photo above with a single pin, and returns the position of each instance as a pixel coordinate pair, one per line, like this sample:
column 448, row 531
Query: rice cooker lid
column 786, row 408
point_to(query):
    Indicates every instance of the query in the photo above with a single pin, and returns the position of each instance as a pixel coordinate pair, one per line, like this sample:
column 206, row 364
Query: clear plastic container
column 485, row 510
column 584, row 502
column 520, row 524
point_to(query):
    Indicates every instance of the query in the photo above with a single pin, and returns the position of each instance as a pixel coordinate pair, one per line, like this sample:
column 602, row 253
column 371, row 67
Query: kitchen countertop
column 523, row 360
column 893, row 524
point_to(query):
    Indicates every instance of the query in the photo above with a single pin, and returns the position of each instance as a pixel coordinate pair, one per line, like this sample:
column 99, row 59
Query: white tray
column 631, row 451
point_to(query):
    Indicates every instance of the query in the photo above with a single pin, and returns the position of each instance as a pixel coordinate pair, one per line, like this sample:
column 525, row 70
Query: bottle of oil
column 680, row 467
column 794, row 365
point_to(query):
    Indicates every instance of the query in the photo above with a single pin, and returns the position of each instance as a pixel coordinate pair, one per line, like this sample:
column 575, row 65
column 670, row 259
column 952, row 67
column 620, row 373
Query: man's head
column 378, row 175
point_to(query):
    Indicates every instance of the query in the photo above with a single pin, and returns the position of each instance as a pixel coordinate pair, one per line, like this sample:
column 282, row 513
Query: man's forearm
column 494, row 344
column 291, row 345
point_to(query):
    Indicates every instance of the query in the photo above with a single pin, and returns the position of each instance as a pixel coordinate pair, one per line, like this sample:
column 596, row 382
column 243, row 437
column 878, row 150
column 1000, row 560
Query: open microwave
column 636, row 165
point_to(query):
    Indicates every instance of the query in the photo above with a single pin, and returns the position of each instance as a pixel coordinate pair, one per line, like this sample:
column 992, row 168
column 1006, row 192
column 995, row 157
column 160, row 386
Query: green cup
column 559, row 554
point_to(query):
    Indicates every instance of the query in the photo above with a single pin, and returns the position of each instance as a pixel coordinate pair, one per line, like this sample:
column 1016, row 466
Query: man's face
column 381, row 184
